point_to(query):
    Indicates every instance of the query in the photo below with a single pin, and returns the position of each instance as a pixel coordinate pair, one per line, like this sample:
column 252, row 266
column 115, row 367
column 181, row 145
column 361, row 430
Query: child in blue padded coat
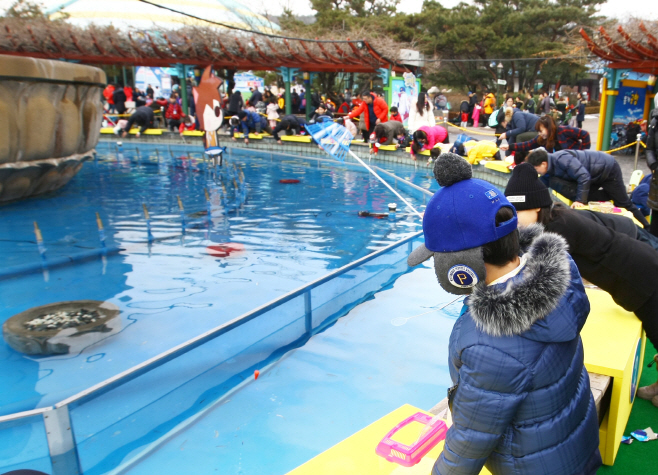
column 521, row 401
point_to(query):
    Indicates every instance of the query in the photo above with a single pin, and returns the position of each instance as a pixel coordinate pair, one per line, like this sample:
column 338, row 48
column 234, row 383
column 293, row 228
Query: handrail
column 406, row 182
column 24, row 414
column 349, row 164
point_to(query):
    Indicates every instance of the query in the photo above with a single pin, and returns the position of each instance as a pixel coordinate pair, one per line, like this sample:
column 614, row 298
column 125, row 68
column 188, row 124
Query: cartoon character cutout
column 210, row 114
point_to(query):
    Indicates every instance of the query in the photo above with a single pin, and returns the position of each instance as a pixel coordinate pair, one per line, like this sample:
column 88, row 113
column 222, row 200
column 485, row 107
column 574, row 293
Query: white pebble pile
column 61, row 319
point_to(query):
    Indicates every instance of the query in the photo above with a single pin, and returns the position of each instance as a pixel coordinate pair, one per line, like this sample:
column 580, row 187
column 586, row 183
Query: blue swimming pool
column 170, row 288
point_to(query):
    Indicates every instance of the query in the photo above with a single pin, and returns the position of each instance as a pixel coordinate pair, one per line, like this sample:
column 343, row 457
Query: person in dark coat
column 256, row 97
column 295, row 102
column 640, row 195
column 590, row 170
column 652, row 163
column 530, row 104
column 249, row 122
column 472, row 101
column 521, row 401
column 519, row 125
column 621, row 224
column 580, row 109
column 289, row 123
column 321, row 113
column 119, row 98
column 143, row 116
column 316, row 100
column 139, row 97
column 235, row 104
column 625, row 268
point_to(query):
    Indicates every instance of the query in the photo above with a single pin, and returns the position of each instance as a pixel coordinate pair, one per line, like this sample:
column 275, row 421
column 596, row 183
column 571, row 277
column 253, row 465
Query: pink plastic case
column 409, row 455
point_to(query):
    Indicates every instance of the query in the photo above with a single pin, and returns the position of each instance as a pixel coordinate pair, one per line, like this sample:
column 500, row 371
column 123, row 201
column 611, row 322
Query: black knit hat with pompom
column 450, row 168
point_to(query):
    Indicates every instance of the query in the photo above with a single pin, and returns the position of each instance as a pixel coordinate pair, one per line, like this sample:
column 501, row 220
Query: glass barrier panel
column 24, row 446
column 117, row 428
column 336, row 297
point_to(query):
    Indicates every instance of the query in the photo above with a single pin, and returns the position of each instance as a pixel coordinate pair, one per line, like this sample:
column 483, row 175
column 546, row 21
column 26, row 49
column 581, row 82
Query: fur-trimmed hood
column 513, row 307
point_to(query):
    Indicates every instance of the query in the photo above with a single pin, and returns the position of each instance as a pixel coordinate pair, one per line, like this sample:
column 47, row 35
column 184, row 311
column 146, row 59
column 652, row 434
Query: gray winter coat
column 393, row 130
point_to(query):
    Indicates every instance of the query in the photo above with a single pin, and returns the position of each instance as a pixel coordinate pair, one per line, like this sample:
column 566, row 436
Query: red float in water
column 224, row 250
column 289, row 181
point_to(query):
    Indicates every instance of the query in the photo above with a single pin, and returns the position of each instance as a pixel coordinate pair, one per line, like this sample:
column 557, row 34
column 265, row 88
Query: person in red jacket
column 374, row 110
column 108, row 92
column 128, row 91
column 344, row 107
column 174, row 113
column 186, row 125
column 395, row 115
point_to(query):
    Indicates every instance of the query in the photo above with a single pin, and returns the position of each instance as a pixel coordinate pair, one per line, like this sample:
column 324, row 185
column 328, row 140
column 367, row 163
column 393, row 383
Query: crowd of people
column 140, row 108
column 475, row 112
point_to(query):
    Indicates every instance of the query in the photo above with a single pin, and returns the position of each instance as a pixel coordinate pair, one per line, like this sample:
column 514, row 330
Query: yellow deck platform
column 614, row 346
column 110, row 131
column 356, row 454
column 390, row 148
column 251, row 136
column 497, row 165
column 296, row 138
column 193, row 133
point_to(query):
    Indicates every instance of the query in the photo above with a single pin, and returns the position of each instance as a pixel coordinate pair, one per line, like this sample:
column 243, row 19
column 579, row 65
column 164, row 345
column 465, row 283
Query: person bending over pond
column 625, row 268
column 553, row 137
column 289, row 123
column 388, row 133
column 596, row 176
column 425, row 138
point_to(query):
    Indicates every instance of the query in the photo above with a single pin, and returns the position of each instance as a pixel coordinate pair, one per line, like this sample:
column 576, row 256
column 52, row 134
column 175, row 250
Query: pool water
column 340, row 381
column 171, row 289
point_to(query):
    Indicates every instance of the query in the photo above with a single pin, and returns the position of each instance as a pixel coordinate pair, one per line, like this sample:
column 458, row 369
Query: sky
column 613, row 8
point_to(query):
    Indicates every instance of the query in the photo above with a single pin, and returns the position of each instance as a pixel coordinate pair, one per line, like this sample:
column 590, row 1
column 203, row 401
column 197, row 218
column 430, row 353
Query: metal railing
column 60, row 435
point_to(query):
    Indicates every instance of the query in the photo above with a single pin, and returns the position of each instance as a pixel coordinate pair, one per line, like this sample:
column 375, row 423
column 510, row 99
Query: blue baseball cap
column 462, row 214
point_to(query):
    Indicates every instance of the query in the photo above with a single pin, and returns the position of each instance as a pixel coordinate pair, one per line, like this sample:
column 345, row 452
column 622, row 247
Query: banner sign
column 629, row 107
column 244, row 81
column 157, row 78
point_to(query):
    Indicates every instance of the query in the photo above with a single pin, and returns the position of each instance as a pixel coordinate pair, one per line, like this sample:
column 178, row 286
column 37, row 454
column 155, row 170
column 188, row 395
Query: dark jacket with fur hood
column 624, row 267
column 522, row 403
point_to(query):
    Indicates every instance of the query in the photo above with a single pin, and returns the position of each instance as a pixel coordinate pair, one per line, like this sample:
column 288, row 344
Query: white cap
column 392, row 206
